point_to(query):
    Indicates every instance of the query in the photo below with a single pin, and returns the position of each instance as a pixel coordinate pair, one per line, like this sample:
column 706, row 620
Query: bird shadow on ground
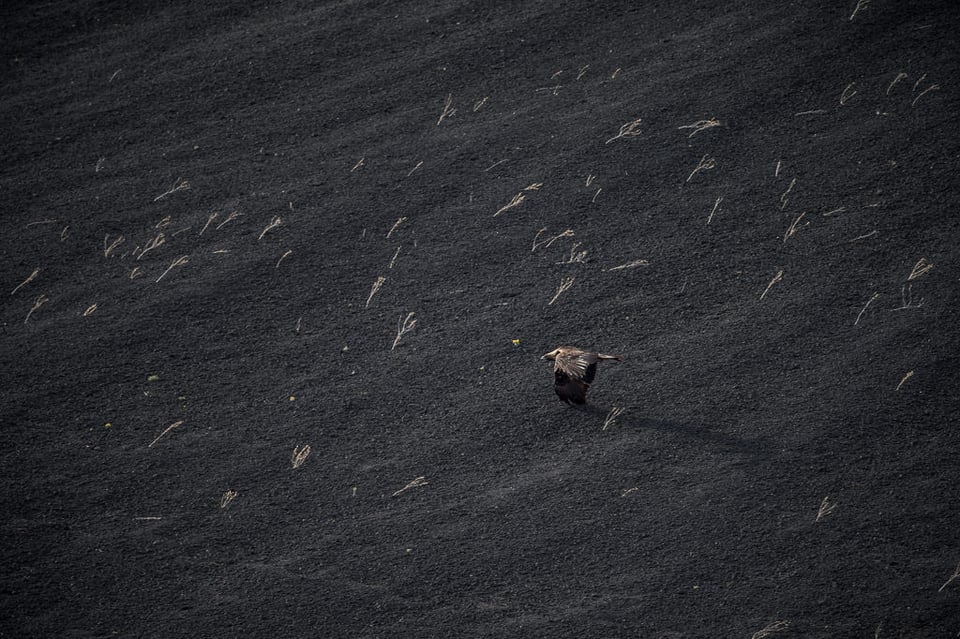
column 678, row 432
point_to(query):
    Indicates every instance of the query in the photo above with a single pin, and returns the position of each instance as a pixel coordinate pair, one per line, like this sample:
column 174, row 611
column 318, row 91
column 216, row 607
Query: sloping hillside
column 277, row 278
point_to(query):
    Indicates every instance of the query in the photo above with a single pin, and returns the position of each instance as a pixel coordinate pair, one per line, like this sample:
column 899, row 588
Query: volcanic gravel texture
column 277, row 276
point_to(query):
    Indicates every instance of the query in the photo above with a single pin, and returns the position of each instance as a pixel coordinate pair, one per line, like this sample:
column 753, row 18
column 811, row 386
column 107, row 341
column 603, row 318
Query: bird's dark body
column 573, row 372
column 574, row 391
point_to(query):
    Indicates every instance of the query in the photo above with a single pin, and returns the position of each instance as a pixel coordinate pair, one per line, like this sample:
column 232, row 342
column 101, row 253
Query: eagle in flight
column 573, row 372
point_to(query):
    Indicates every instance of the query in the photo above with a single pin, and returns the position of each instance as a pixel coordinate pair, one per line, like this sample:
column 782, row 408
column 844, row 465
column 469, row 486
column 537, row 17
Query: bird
column 573, row 372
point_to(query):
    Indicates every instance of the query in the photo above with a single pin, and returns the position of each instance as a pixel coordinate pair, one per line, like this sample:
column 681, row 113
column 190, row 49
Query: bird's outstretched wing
column 579, row 365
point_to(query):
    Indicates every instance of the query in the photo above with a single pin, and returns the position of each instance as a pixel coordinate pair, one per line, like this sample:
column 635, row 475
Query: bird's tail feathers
column 619, row 358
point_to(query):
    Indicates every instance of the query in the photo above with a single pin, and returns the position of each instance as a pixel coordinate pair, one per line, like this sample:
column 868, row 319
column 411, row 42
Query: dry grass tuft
column 920, row 269
column 226, row 498
column 861, row 5
column 932, row 87
column 628, row 130
column 210, row 219
column 776, row 278
column 37, row 303
column 900, row 76
column 151, row 245
column 232, row 216
column 565, row 284
column 865, row 235
column 29, row 279
column 783, row 197
column 374, row 289
column 404, row 326
column 826, row 507
column 864, row 309
column 537, row 242
column 706, row 163
column 575, row 257
column 36, row 222
column 611, row 417
column 555, row 89
column 394, row 258
column 716, row 205
column 415, row 169
column 179, row 185
column 517, row 199
column 448, row 109
column 274, row 223
column 400, row 220
column 166, row 430
column 700, row 125
column 109, row 246
column 283, row 257
column 903, row 380
column 299, row 455
column 413, row 483
column 906, row 299
column 793, row 228
column 633, row 264
column 954, row 576
column 771, row 629
column 180, row 261
column 848, row 92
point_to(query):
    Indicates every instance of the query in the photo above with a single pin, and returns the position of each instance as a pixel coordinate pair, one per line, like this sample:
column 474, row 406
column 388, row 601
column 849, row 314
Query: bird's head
column 552, row 355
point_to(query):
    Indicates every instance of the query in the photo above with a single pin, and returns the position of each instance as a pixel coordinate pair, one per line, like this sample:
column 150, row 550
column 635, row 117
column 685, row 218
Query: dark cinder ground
column 754, row 202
